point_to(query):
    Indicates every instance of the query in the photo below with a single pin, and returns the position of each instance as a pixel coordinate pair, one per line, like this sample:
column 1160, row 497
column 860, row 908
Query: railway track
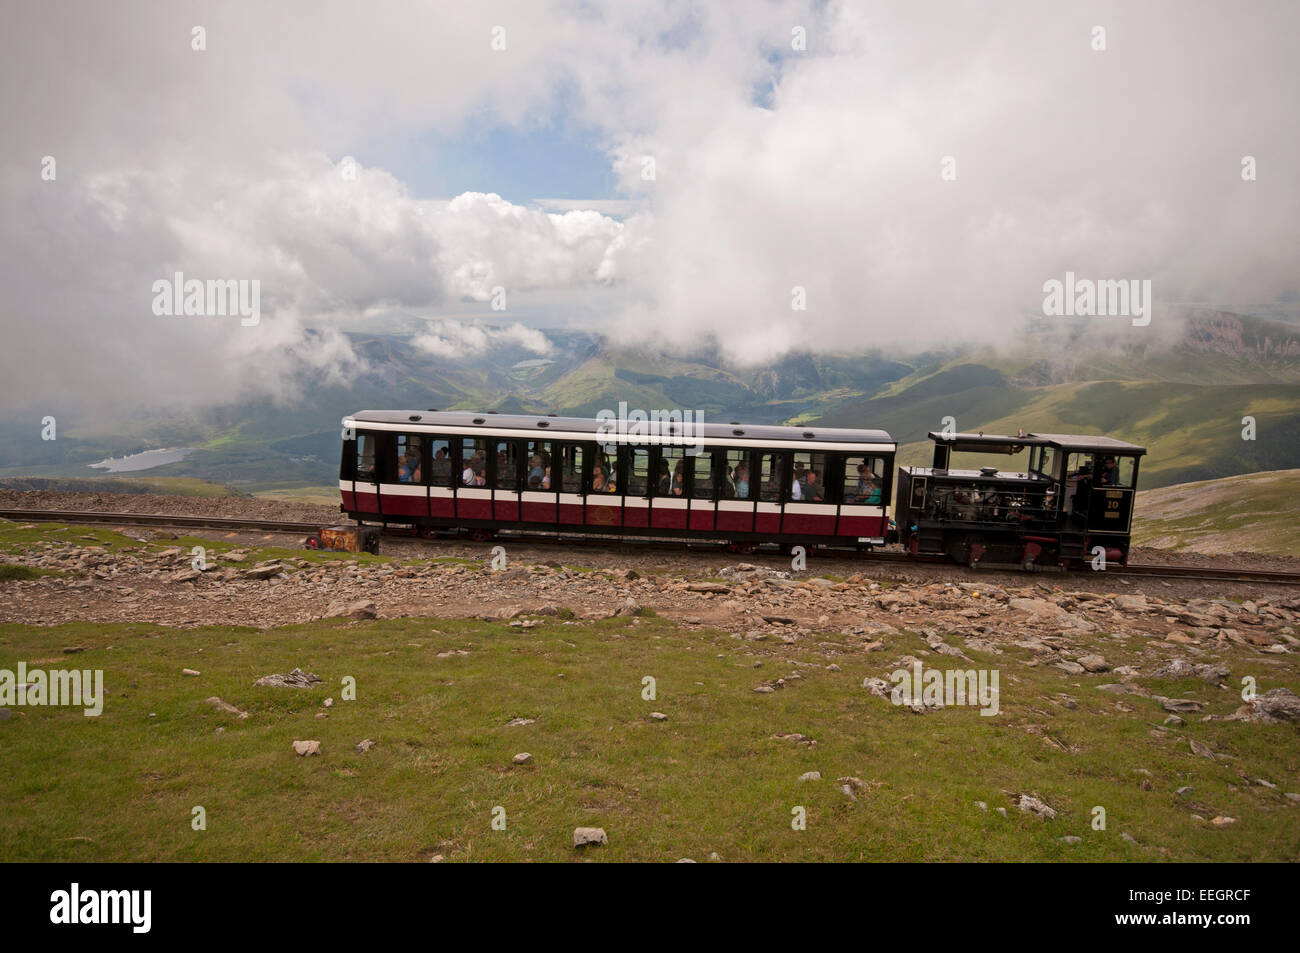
column 150, row 519
column 1205, row 573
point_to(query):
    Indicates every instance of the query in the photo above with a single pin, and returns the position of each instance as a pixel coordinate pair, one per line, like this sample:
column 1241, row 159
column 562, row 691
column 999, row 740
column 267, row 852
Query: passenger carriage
column 485, row 473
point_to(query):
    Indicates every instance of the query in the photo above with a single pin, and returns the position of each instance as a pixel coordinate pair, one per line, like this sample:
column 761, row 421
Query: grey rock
column 306, row 748
column 295, row 679
column 589, row 836
column 229, row 709
column 1032, row 805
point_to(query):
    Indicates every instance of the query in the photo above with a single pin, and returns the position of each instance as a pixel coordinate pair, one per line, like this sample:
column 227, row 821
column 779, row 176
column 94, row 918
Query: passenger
column 597, row 479
column 1110, row 472
column 679, row 478
column 546, row 479
column 665, row 481
column 467, row 475
column 406, row 468
column 812, row 490
column 742, row 482
column 441, row 466
column 535, row 470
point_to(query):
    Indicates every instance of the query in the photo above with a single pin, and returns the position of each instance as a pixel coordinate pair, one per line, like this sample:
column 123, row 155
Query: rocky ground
column 140, row 577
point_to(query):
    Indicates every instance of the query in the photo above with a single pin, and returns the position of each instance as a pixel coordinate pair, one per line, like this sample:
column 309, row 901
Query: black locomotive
column 1068, row 501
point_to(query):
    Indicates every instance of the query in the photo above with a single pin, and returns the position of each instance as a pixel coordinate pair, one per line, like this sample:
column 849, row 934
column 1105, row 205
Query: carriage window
column 702, row 484
column 735, row 475
column 410, row 458
column 1118, row 472
column 1079, row 466
column 769, row 476
column 863, row 480
column 473, row 462
column 672, row 472
column 808, row 483
column 507, row 455
column 637, row 465
column 1047, row 459
column 539, row 465
column 571, row 467
column 604, row 470
column 440, row 471
column 366, row 457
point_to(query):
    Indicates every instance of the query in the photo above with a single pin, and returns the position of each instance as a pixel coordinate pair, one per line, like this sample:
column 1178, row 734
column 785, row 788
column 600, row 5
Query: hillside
column 1181, row 391
column 1256, row 512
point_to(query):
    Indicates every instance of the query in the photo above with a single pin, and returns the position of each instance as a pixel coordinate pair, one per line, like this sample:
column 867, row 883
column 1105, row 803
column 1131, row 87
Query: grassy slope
column 711, row 778
column 1257, row 512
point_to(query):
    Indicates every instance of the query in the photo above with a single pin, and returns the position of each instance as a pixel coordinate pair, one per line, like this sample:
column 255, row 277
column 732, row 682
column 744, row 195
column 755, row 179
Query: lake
column 146, row 460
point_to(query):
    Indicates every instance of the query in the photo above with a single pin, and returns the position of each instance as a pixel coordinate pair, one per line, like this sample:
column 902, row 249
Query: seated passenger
column 1110, row 472
column 812, row 490
column 742, row 482
column 679, row 478
column 597, row 479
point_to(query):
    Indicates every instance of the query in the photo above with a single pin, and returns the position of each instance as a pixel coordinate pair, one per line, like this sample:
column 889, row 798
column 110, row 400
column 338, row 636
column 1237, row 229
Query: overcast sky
column 524, row 168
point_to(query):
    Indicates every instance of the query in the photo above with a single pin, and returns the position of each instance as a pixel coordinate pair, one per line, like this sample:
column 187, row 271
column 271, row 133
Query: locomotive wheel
column 312, row 542
column 372, row 545
column 743, row 549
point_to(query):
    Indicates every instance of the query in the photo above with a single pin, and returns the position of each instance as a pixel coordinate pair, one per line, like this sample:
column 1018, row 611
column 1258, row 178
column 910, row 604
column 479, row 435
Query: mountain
column 1181, row 390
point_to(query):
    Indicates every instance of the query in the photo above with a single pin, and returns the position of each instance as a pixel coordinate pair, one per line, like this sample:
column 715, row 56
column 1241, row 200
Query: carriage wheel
column 312, row 542
column 480, row 535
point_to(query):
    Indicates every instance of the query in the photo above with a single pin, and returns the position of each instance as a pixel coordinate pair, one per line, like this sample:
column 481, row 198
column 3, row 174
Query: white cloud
column 454, row 339
column 773, row 169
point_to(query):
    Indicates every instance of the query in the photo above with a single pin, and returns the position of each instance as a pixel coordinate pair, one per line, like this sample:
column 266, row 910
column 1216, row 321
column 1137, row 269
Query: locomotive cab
column 1064, row 500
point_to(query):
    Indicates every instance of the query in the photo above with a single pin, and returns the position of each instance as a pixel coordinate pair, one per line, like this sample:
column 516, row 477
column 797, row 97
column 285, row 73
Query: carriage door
column 367, row 479
column 735, row 496
column 703, row 489
column 505, row 491
column 442, row 500
column 537, row 498
column 635, row 493
column 473, row 494
column 863, row 496
column 571, row 459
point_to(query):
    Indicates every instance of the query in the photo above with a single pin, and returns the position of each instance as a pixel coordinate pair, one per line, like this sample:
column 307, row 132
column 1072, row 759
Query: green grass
column 8, row 572
column 711, row 778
